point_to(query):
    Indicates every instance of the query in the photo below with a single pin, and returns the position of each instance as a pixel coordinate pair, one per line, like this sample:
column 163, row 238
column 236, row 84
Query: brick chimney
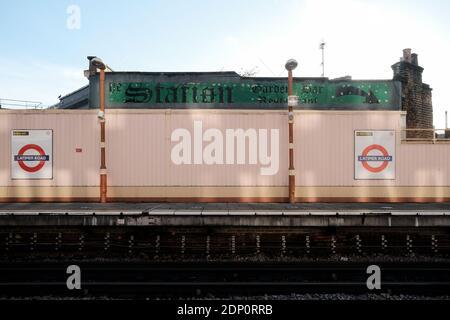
column 416, row 95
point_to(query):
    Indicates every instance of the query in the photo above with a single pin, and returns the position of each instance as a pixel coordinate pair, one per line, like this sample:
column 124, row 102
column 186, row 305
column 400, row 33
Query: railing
column 20, row 104
column 425, row 135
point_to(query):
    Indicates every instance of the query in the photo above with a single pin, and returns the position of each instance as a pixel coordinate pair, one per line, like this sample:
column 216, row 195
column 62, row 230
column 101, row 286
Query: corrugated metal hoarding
column 219, row 155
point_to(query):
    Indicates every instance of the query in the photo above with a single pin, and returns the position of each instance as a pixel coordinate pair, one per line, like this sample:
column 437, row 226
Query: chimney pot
column 407, row 55
column 415, row 59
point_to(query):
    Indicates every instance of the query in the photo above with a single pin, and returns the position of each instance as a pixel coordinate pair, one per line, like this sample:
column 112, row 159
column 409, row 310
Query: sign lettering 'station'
column 245, row 92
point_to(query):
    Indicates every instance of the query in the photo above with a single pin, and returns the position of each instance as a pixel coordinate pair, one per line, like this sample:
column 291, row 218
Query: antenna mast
column 322, row 47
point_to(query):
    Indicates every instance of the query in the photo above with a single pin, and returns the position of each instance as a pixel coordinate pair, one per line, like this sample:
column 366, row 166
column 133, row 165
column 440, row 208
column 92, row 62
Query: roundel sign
column 375, row 155
column 32, row 154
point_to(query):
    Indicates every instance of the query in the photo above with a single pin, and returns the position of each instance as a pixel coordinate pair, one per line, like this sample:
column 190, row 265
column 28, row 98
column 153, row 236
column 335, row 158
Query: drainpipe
column 98, row 64
column 103, row 179
column 292, row 102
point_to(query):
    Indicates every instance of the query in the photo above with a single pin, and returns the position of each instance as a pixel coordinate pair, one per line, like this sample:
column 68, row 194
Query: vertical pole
column 103, row 186
column 446, row 120
column 291, row 142
column 322, row 47
column 323, row 61
column 447, row 130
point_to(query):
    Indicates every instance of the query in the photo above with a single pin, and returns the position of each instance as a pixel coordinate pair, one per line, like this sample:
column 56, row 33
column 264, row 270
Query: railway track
column 206, row 280
column 182, row 262
column 154, row 242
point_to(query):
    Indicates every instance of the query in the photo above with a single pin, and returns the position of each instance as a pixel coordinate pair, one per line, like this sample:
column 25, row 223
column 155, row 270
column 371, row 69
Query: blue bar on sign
column 31, row 158
column 374, row 158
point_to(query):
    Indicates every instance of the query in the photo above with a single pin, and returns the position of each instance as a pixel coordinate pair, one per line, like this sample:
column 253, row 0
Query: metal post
column 233, row 244
column 208, row 241
column 323, row 62
column 308, row 244
column 81, row 243
column 446, row 119
column 103, row 183
column 333, row 244
column 434, row 244
column 258, row 244
column 322, row 47
column 283, row 245
column 157, row 244
column 183, row 244
column 292, row 101
column 291, row 144
column 383, row 242
column 447, row 130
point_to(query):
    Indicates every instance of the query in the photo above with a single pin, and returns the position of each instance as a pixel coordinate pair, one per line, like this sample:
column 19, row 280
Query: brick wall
column 416, row 95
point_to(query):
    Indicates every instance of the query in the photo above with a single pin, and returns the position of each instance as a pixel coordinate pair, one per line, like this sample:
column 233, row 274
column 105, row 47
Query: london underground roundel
column 31, row 156
column 375, row 155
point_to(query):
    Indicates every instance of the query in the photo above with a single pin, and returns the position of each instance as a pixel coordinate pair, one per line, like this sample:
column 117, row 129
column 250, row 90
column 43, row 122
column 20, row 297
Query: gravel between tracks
column 295, row 297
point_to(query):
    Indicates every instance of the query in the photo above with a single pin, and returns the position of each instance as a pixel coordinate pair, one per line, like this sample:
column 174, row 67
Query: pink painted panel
column 70, row 131
column 324, row 145
column 227, row 174
column 139, row 148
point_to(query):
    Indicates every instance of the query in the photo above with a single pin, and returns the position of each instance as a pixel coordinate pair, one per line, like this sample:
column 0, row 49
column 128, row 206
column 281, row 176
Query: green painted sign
column 313, row 94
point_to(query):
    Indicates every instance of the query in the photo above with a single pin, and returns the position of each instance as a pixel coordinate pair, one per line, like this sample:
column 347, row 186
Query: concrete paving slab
column 215, row 213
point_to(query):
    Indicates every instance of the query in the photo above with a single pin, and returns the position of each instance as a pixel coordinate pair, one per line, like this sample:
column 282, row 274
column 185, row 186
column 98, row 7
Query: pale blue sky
column 40, row 58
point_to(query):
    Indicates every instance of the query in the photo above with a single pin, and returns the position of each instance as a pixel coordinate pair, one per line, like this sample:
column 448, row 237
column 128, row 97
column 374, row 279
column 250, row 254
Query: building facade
column 219, row 137
column 216, row 90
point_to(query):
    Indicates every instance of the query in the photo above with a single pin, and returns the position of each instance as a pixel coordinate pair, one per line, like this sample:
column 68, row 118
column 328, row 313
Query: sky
column 43, row 49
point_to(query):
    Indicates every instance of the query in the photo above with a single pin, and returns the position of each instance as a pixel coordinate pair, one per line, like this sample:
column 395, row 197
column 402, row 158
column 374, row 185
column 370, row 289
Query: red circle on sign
column 366, row 153
column 31, row 147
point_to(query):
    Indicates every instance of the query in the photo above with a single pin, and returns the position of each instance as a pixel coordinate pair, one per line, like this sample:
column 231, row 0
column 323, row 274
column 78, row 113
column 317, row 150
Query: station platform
column 224, row 208
column 227, row 214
